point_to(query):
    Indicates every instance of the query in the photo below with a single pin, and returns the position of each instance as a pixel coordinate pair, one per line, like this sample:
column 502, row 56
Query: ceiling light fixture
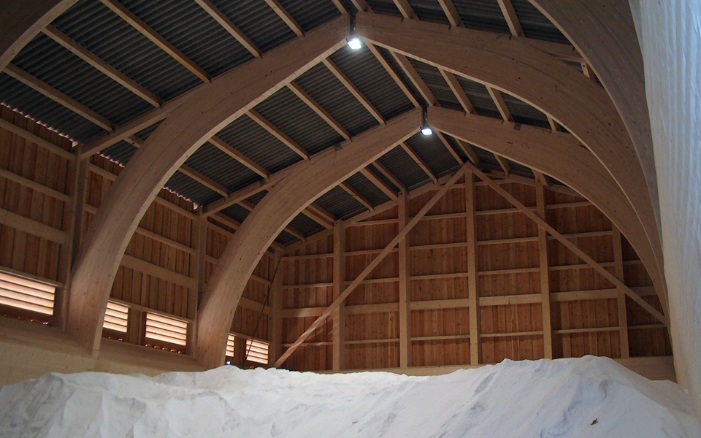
column 425, row 128
column 354, row 43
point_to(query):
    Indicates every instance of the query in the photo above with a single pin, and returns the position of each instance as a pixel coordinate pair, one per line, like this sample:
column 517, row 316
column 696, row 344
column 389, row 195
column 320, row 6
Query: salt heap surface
column 587, row 397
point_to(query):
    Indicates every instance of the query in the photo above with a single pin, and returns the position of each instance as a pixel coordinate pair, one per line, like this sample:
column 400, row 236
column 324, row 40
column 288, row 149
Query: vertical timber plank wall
column 584, row 313
column 35, row 203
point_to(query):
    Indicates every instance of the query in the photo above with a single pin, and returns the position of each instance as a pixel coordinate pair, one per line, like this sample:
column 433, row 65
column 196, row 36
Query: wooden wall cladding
column 587, row 315
column 35, row 199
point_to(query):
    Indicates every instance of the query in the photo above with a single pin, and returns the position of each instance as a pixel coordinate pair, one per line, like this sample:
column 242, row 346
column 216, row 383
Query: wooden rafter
column 58, row 97
column 415, row 78
column 353, row 90
column 419, row 161
column 451, row 12
column 277, row 133
column 469, row 151
column 588, row 72
column 230, row 27
column 361, row 5
column 371, row 266
column 397, row 80
column 389, row 175
column 571, row 246
column 504, row 164
column 146, row 30
column 320, row 216
column 507, row 9
column 286, row 17
column 447, row 145
column 356, row 195
column 554, row 126
column 238, row 156
column 99, row 64
column 367, row 173
column 405, row 9
column 500, row 104
column 457, row 90
column 541, row 178
column 321, row 112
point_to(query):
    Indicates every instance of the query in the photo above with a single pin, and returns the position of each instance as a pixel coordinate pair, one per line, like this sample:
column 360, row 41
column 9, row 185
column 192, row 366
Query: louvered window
column 166, row 329
column 230, row 346
column 26, row 294
column 257, row 351
column 116, row 317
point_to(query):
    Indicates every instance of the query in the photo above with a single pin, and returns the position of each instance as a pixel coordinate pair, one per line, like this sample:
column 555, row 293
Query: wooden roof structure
column 260, row 114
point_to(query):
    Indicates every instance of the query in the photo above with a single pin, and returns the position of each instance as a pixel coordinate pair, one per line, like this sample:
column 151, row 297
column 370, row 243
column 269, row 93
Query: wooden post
column 472, row 270
column 339, row 316
column 621, row 301
column 197, row 270
column 544, row 274
column 404, row 298
column 275, row 318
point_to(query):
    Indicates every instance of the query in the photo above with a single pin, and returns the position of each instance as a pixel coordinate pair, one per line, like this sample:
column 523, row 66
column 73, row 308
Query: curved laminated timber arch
column 558, row 155
column 245, row 110
column 521, row 70
column 289, row 197
column 197, row 119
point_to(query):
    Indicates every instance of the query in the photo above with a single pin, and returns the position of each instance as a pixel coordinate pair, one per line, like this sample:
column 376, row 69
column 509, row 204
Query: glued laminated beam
column 512, row 66
column 204, row 113
column 290, row 196
column 559, row 156
column 604, row 33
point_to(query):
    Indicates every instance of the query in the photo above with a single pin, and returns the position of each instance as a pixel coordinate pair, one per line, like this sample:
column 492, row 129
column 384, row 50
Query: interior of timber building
column 189, row 183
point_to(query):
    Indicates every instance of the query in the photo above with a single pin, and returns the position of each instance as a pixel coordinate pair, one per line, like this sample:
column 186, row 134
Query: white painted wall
column 670, row 37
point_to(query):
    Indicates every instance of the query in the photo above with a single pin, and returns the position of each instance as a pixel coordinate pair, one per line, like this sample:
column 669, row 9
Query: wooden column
column 275, row 319
column 404, row 298
column 621, row 304
column 472, row 279
column 339, row 276
column 544, row 274
column 197, row 271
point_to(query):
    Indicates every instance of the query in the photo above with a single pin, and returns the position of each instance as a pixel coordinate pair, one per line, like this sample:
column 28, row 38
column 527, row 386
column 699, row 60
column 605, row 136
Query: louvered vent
column 116, row 317
column 257, row 351
column 166, row 329
column 26, row 294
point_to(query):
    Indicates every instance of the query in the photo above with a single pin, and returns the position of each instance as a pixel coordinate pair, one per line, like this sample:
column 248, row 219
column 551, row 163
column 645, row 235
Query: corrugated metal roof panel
column 438, row 86
column 236, row 212
column 404, row 168
column 223, row 169
column 524, row 113
column 285, row 238
column 191, row 189
column 256, row 143
column 535, row 24
column 456, row 147
column 381, row 177
column 339, row 203
column 257, row 21
column 100, row 31
column 305, row 225
column 433, row 152
column 480, row 98
column 31, row 103
column 367, row 189
column 190, row 29
column 398, row 70
column 335, row 98
column 146, row 133
column 255, row 199
column 383, row 7
column 62, row 70
column 288, row 113
column 310, row 14
column 520, row 169
column 482, row 15
column 429, row 10
column 366, row 73
column 486, row 157
column 120, row 152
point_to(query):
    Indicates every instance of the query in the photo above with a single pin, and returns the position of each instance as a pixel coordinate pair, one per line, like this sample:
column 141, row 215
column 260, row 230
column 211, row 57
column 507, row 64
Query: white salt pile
column 589, row 397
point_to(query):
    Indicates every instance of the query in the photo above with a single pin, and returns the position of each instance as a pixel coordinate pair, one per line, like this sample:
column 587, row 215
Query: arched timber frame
column 558, row 155
column 287, row 199
column 204, row 113
column 533, row 76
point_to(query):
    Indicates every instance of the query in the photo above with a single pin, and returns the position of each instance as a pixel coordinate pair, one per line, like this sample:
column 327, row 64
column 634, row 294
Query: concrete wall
column 670, row 37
